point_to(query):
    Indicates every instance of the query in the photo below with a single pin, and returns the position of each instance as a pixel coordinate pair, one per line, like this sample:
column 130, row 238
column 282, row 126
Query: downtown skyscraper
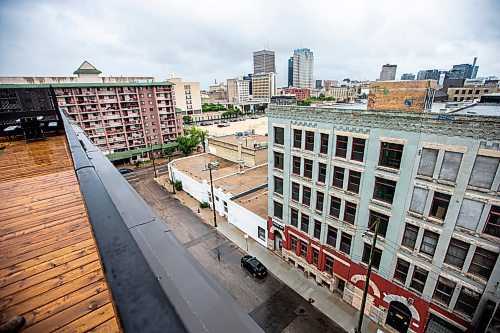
column 301, row 68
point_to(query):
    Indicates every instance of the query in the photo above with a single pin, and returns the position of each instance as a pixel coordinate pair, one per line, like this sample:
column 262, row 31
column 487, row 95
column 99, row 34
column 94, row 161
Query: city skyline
column 204, row 49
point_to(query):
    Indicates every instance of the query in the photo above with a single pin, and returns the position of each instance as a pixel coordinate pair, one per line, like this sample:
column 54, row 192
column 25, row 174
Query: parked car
column 125, row 171
column 254, row 266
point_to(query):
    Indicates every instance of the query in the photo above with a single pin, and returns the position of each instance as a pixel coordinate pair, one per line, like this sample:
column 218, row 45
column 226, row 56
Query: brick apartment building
column 119, row 114
column 434, row 183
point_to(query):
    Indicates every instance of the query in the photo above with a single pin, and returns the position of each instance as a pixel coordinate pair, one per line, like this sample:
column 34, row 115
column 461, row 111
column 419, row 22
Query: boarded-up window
column 418, row 200
column 450, row 166
column 484, row 171
column 427, row 162
column 470, row 213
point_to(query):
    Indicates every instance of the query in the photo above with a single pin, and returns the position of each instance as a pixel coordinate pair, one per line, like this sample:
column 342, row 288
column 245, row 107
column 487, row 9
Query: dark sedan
column 125, row 171
column 254, row 266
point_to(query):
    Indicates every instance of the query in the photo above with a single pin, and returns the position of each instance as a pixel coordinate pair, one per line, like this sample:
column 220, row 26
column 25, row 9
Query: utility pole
column 367, row 280
column 212, row 190
column 152, row 157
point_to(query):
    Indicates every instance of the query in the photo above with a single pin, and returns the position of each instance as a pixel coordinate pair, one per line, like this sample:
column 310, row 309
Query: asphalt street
column 272, row 304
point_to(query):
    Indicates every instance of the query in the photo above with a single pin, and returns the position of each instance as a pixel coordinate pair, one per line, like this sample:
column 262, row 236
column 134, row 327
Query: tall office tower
column 290, row 72
column 264, row 62
column 263, row 86
column 303, row 68
column 464, row 71
column 407, row 77
column 388, row 72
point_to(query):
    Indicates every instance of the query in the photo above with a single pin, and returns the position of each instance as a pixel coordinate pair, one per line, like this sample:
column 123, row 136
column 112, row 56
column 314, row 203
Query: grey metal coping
column 156, row 284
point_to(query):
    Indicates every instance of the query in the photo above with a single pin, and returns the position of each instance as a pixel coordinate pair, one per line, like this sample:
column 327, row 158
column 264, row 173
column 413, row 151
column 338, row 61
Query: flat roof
column 225, row 176
column 481, row 109
column 242, row 182
column 50, row 267
column 194, row 166
column 245, row 140
column 256, row 202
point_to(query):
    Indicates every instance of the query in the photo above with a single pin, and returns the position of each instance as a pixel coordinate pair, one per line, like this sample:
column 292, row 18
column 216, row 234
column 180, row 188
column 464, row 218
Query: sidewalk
column 330, row 304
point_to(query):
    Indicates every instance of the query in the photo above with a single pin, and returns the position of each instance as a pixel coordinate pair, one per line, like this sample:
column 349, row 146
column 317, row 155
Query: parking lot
column 259, row 125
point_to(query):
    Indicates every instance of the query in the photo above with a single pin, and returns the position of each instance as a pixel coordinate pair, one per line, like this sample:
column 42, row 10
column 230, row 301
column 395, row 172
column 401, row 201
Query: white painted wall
column 237, row 215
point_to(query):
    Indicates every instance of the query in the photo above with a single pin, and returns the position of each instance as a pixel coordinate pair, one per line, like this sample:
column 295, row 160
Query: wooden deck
column 50, row 270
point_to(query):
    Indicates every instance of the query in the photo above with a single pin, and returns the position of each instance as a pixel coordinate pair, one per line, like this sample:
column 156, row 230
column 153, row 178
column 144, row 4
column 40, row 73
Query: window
column 278, row 160
column 329, row 265
column 306, row 195
column 320, row 198
column 308, row 168
column 295, row 191
column 469, row 214
column 457, row 251
column 293, row 244
column 341, row 150
column 390, row 155
column 338, row 177
column 358, row 149
column 315, row 256
column 279, row 135
column 335, row 206
column 317, row 229
column 297, row 138
column 353, row 181
column 467, row 302
column 418, row 200
column 294, row 217
column 384, row 189
column 321, row 172
column 419, row 278
column 296, row 165
column 483, row 263
column 303, row 250
column 384, row 222
column 440, row 205
column 349, row 212
column 444, row 291
column 410, row 236
column 304, row 223
column 483, row 171
column 278, row 210
column 377, row 255
column 331, row 236
column 309, row 141
column 278, row 185
column 324, row 143
column 345, row 243
column 450, row 166
column 261, row 233
column 429, row 242
column 492, row 226
column 225, row 206
column 401, row 272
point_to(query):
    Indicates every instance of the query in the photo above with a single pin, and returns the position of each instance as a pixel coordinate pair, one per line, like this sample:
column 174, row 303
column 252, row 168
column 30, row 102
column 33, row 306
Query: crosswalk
column 142, row 173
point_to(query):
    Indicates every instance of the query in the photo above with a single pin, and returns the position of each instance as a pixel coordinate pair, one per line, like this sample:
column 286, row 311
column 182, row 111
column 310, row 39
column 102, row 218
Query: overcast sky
column 207, row 40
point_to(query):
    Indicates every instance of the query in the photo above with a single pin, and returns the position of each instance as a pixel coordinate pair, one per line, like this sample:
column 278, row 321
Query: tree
column 169, row 152
column 198, row 133
column 187, row 143
column 187, row 119
column 209, row 107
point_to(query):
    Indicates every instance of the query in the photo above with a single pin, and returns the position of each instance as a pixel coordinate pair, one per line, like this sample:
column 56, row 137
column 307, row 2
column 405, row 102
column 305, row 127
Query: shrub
column 178, row 185
column 204, row 204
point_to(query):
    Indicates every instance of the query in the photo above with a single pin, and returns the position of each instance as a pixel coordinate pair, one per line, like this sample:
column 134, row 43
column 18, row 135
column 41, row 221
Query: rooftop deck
column 50, row 269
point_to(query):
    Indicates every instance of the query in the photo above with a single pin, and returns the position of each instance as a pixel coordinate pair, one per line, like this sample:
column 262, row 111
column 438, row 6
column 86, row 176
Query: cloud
column 208, row 40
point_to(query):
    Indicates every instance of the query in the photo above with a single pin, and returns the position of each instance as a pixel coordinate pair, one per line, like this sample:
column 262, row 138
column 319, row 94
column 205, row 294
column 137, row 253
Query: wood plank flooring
column 50, row 270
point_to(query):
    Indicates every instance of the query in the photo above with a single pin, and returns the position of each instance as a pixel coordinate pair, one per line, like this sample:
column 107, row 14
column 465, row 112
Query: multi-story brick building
column 117, row 113
column 300, row 93
column 433, row 181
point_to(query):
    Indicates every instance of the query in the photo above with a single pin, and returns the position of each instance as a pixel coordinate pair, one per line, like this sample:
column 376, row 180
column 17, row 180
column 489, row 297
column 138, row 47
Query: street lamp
column 152, row 156
column 210, row 166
